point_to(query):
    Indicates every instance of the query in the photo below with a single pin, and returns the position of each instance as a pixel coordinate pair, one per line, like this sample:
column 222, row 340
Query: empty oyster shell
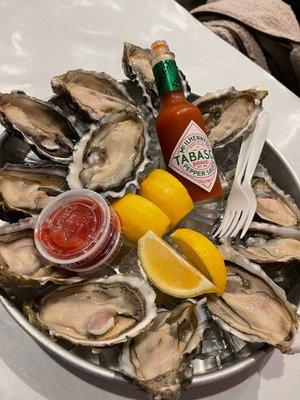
column 42, row 125
column 228, row 114
column 272, row 203
column 266, row 243
column 97, row 313
column 253, row 307
column 20, row 263
column 111, row 156
column 27, row 189
column 94, row 94
column 159, row 359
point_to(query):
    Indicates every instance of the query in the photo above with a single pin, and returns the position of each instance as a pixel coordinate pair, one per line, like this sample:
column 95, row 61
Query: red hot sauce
column 181, row 131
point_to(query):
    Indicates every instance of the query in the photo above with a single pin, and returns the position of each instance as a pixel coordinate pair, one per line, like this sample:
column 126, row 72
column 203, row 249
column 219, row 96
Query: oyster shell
column 253, row 307
column 97, row 313
column 272, row 203
column 266, row 243
column 137, row 67
column 136, row 64
column 42, row 125
column 20, row 263
column 229, row 114
column 94, row 94
column 27, row 189
column 107, row 157
column 159, row 359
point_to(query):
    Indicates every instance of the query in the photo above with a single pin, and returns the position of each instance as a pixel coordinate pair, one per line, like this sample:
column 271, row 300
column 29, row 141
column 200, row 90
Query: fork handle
column 258, row 140
column 242, row 159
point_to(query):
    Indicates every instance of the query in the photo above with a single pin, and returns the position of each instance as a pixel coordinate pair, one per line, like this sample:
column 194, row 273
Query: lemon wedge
column 203, row 254
column 139, row 215
column 170, row 272
column 164, row 190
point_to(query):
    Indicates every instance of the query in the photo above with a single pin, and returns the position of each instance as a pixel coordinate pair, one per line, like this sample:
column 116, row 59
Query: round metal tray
column 14, row 150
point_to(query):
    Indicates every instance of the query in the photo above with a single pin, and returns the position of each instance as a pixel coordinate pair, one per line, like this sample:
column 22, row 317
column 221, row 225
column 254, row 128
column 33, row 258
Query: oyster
column 137, row 67
column 97, row 313
column 253, row 307
column 272, row 203
column 20, row 263
column 159, row 359
column 42, row 125
column 107, row 157
column 27, row 189
column 228, row 114
column 266, row 243
column 93, row 94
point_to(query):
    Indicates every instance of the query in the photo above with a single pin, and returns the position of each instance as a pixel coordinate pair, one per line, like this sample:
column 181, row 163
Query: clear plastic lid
column 74, row 226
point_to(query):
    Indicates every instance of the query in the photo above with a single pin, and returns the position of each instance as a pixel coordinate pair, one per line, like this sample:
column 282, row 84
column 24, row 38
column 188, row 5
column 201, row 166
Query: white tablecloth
column 40, row 39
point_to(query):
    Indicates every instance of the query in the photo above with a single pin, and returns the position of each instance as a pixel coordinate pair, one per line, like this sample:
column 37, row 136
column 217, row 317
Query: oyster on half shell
column 159, row 359
column 272, row 203
column 21, row 266
column 27, row 189
column 107, row 157
column 94, row 94
column 42, row 125
column 229, row 114
column 266, row 243
column 96, row 313
column 253, row 307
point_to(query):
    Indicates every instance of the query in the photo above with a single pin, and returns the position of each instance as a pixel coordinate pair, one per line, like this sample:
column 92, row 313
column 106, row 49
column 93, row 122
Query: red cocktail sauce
column 72, row 229
column 78, row 234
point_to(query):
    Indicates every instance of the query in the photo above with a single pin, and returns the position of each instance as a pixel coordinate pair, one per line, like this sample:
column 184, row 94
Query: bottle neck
column 172, row 98
column 167, row 77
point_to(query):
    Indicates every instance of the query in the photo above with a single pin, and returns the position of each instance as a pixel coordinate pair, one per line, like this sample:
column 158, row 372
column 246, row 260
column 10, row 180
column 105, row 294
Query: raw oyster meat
column 27, row 189
column 272, row 203
column 107, row 157
column 97, row 313
column 266, row 243
column 253, row 307
column 229, row 114
column 42, row 125
column 159, row 359
column 94, row 94
column 20, row 263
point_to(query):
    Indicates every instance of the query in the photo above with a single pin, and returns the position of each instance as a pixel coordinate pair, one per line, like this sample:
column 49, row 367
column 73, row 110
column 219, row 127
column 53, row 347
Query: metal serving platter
column 13, row 149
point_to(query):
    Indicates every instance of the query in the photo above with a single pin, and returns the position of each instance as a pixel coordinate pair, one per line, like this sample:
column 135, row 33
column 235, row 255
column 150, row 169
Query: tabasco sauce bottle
column 181, row 131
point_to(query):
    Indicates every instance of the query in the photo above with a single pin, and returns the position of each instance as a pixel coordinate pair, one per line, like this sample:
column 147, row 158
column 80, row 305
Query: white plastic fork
column 241, row 203
column 258, row 141
column 237, row 199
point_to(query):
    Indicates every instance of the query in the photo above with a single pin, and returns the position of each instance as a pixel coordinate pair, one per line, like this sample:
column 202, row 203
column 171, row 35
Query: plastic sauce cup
column 78, row 231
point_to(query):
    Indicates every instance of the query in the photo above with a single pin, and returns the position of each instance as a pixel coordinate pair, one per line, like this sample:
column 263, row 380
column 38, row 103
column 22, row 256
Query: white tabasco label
column 193, row 158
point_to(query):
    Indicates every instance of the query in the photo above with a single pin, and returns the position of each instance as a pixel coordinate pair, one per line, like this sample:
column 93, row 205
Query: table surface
column 40, row 39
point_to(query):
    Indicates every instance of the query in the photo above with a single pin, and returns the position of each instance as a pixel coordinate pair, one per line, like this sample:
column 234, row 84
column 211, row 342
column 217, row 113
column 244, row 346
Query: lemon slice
column 168, row 271
column 203, row 254
column 139, row 215
column 164, row 190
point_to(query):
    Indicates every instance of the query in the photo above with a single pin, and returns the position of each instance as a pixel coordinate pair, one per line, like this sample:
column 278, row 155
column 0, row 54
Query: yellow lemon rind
column 168, row 193
column 204, row 286
column 139, row 215
column 203, row 254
